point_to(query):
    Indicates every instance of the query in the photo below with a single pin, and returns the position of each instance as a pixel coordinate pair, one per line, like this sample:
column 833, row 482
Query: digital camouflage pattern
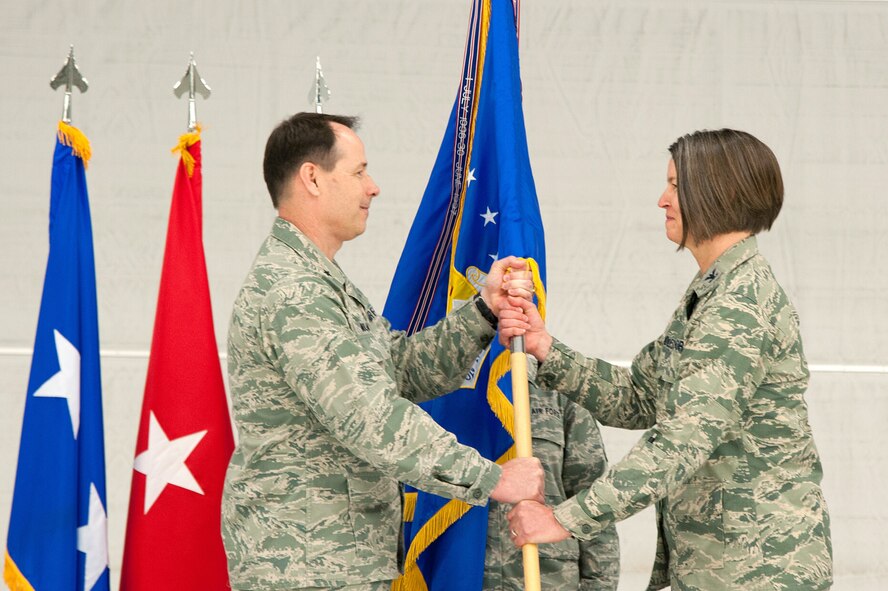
column 728, row 456
column 320, row 388
column 377, row 586
column 567, row 441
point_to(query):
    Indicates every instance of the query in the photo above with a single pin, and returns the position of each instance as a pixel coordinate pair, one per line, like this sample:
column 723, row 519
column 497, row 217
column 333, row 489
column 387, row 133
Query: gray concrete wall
column 607, row 87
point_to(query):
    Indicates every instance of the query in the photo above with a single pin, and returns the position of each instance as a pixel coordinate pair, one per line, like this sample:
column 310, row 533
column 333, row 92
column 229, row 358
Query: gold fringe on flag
column 412, row 579
column 186, row 140
column 13, row 576
column 79, row 144
column 409, row 506
column 496, row 398
column 538, row 288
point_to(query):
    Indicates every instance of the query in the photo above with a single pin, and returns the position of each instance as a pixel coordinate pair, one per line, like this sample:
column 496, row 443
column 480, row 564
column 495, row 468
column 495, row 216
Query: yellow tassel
column 538, row 287
column 14, row 578
column 434, row 527
column 409, row 506
column 411, row 580
column 79, row 144
column 186, row 140
column 496, row 398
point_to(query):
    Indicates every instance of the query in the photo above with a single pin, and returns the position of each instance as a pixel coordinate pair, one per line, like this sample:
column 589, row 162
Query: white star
column 470, row 178
column 164, row 462
column 495, row 257
column 92, row 540
column 488, row 217
column 66, row 382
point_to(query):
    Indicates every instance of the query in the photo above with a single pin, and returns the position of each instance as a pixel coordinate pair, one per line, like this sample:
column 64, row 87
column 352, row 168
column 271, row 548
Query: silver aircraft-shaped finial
column 320, row 92
column 70, row 76
column 192, row 83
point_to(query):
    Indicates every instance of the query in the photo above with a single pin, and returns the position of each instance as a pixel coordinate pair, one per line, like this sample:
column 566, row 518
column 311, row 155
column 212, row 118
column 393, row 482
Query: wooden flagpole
column 523, row 446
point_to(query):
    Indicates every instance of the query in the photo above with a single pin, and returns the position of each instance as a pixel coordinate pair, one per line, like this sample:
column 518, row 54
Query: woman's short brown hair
column 728, row 181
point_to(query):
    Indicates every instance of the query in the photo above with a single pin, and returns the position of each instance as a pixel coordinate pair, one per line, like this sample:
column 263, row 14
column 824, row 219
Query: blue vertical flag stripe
column 57, row 530
column 481, row 202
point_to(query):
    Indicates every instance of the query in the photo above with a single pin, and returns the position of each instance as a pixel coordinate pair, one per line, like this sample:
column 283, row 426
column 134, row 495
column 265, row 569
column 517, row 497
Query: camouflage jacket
column 321, row 391
column 728, row 455
column 567, row 441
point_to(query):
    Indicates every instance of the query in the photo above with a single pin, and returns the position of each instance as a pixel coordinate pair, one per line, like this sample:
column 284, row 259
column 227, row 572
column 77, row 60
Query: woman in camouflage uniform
column 728, row 456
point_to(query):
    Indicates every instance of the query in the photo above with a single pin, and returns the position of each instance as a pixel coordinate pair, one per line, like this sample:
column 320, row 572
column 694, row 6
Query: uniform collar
column 293, row 237
column 729, row 260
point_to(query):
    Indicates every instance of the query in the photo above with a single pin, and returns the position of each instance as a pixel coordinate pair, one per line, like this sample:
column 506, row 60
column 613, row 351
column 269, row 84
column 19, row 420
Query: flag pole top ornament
column 69, row 76
column 193, row 84
column 320, row 92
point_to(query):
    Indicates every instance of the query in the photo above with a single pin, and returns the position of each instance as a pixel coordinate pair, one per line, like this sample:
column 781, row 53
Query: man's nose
column 373, row 189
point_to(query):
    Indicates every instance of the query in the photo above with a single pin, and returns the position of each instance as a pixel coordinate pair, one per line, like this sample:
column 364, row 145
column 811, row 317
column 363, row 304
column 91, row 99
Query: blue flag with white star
column 57, row 531
column 480, row 204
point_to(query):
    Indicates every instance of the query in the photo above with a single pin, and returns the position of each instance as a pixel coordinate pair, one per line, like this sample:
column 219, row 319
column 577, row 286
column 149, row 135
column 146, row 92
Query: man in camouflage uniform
column 728, row 456
column 322, row 388
column 567, row 441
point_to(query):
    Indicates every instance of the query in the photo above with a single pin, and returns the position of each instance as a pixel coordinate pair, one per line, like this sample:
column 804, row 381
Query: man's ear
column 308, row 176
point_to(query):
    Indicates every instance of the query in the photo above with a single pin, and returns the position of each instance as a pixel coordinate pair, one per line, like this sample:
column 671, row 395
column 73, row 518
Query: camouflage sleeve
column 616, row 396
column 435, row 360
column 343, row 382
column 706, row 390
column 585, row 461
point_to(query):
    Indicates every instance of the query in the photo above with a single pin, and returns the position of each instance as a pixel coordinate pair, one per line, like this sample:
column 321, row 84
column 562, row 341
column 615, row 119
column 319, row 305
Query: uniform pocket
column 330, row 530
column 375, row 518
column 795, row 523
column 548, row 448
column 548, row 427
column 694, row 523
column 742, row 538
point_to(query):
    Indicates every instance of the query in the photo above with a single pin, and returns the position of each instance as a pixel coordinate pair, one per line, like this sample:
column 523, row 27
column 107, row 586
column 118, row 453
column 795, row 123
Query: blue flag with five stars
column 58, row 528
column 480, row 204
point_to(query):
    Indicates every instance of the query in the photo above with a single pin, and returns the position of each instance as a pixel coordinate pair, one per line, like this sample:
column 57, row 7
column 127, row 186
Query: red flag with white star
column 173, row 534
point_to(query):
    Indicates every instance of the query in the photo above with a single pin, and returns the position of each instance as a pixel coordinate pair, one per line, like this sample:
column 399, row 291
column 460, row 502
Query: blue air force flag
column 57, row 531
column 480, row 204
